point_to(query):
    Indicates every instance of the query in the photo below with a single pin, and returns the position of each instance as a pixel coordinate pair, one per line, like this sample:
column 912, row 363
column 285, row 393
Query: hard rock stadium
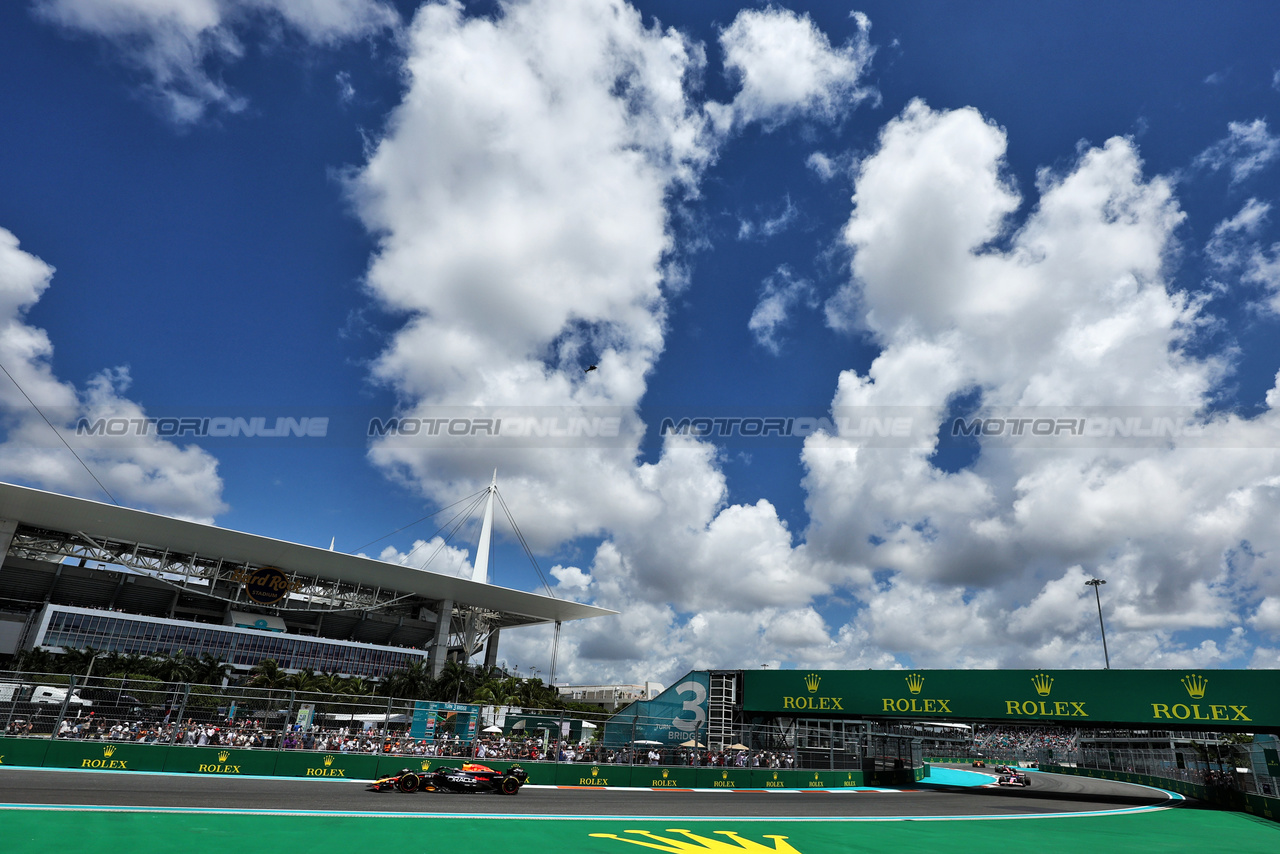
column 791, row 762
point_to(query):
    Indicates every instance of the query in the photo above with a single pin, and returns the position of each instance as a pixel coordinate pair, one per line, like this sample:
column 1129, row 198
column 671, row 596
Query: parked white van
column 43, row 694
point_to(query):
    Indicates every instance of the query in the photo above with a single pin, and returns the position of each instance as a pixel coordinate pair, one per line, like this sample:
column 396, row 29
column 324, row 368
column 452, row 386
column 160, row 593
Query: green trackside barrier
column 849, row 779
column 585, row 775
column 221, row 760
column 665, row 777
column 106, row 755
column 723, row 778
column 352, row 766
column 772, row 778
column 889, row 778
column 826, row 779
column 23, row 751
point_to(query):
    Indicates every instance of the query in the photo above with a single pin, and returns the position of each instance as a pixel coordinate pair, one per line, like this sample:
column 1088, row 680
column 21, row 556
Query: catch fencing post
column 176, row 720
column 386, row 727
column 62, row 712
column 284, row 731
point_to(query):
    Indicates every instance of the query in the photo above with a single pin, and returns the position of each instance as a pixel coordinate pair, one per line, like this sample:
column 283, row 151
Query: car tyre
column 408, row 783
column 509, row 786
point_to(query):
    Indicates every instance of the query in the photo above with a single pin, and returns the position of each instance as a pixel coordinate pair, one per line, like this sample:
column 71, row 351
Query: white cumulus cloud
column 780, row 294
column 1074, row 311
column 1248, row 148
column 787, row 68
column 138, row 470
column 180, row 44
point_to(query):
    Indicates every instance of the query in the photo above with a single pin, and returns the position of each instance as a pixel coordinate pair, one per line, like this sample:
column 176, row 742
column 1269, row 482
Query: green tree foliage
column 267, row 673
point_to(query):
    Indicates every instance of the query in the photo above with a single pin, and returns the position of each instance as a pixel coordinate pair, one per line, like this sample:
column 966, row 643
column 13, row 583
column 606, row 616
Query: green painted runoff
column 1166, row 831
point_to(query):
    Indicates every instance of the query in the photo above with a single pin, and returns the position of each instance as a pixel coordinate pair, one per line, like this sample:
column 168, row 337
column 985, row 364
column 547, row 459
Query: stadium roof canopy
column 186, row 553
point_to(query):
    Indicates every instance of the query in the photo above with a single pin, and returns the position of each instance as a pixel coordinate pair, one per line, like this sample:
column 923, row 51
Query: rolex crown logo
column 426, row 765
column 775, row 775
column 108, row 751
column 1043, row 683
column 595, row 770
column 665, row 772
column 811, row 682
column 328, row 760
column 915, row 682
column 1195, row 685
column 224, row 755
column 724, row 775
column 815, row 775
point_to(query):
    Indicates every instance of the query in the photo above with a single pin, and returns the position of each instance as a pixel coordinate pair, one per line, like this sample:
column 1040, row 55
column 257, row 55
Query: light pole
column 1095, row 583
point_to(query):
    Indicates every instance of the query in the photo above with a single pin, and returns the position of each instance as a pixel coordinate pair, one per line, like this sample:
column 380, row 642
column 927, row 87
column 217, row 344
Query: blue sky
column 348, row 210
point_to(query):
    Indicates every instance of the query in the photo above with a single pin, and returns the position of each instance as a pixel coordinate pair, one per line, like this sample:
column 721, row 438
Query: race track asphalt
column 1050, row 794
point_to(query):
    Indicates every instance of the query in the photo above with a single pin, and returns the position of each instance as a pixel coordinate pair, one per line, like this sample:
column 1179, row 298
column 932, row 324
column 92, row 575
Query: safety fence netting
column 148, row 710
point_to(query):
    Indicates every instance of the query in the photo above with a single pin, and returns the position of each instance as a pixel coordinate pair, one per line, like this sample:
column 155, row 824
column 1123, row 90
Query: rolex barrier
column 233, row 761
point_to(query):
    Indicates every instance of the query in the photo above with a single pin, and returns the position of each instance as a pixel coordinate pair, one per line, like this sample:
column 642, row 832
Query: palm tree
column 33, row 661
column 175, row 668
column 411, row 682
column 77, row 661
column 484, row 695
column 303, row 680
column 208, row 670
column 125, row 664
column 508, row 692
column 449, row 685
column 267, row 674
column 358, row 686
column 534, row 695
column 330, row 683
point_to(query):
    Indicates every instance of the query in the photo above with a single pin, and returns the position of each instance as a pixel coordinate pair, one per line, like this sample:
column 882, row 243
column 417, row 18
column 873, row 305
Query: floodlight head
column 1094, row 582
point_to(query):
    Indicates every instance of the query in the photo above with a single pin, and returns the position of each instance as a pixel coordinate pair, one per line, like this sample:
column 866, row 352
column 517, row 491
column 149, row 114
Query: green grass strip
column 1166, row 831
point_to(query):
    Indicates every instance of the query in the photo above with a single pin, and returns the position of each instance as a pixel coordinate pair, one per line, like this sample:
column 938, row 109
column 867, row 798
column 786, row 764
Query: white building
column 77, row 573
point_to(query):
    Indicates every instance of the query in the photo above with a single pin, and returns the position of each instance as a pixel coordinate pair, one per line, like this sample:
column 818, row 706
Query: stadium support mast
column 480, row 572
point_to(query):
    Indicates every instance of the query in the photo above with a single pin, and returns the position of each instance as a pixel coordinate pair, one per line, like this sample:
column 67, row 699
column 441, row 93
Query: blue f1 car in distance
column 471, row 778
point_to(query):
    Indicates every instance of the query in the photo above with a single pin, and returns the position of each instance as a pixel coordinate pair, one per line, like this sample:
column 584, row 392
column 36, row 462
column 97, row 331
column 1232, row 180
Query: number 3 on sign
column 695, row 705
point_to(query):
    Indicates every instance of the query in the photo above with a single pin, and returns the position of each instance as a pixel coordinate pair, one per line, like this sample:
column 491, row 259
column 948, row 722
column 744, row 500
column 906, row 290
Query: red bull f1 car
column 471, row 778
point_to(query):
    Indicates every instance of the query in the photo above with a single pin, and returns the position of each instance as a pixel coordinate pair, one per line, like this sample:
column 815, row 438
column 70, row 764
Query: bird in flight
column 589, row 369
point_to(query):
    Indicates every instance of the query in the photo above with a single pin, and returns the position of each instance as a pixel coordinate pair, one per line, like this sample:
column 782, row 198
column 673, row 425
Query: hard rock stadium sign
column 1247, row 700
